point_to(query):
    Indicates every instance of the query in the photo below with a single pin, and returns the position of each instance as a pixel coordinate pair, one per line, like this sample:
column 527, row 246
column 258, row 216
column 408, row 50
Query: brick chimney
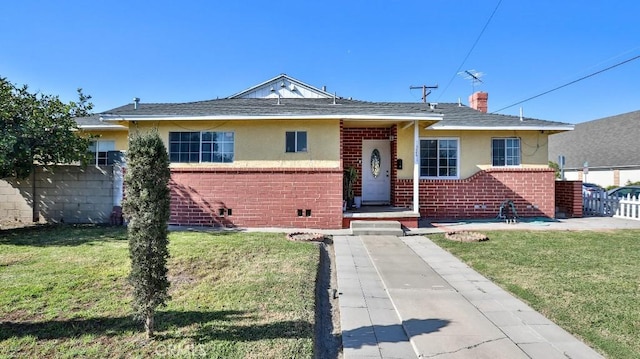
column 478, row 101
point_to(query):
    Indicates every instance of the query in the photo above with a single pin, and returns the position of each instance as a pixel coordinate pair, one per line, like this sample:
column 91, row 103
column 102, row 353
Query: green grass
column 234, row 295
column 586, row 282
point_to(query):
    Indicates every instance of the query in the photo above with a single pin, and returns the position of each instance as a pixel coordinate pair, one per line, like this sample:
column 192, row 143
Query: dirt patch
column 328, row 339
column 13, row 224
column 464, row 236
column 306, row 237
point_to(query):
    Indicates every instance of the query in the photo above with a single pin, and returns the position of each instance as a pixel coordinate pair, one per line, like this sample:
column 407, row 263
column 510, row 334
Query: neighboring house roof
column 610, row 142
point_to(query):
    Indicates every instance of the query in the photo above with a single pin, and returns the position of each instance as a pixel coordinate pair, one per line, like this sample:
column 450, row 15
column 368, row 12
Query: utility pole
column 424, row 88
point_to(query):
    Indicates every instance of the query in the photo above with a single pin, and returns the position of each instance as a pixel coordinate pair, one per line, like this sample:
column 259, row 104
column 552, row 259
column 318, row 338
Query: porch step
column 377, row 228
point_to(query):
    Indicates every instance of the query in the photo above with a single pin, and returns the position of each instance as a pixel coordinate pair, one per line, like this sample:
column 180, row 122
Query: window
column 439, row 157
column 296, row 141
column 194, row 147
column 505, row 151
column 100, row 151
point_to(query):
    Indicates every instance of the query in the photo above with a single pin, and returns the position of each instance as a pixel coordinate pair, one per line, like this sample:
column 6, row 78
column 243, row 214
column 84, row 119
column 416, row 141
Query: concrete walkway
column 405, row 297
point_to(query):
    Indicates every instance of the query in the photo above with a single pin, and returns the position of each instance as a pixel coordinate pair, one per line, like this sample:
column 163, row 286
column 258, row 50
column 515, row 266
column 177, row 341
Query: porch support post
column 416, row 167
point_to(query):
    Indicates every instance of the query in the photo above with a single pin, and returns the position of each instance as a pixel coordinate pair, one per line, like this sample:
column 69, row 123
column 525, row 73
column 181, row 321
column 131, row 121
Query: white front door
column 376, row 171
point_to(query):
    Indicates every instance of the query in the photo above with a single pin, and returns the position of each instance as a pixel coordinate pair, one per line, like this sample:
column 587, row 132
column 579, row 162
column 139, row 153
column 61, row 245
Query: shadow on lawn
column 209, row 327
column 61, row 235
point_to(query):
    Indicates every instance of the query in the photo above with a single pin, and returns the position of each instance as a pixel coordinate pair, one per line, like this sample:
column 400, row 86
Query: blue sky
column 179, row 51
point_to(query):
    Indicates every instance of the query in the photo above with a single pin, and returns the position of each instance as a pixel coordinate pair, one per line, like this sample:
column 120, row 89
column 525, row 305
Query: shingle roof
column 453, row 114
column 605, row 143
column 93, row 122
column 270, row 107
column 456, row 115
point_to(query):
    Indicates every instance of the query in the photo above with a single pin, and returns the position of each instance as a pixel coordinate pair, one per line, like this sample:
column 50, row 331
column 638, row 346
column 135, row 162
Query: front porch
column 405, row 216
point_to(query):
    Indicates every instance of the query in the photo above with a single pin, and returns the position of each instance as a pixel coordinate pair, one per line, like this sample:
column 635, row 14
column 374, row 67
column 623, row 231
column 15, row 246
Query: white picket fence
column 603, row 205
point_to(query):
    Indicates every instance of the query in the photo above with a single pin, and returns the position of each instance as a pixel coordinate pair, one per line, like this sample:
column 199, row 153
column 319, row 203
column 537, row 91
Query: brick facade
column 569, row 198
column 352, row 150
column 257, row 197
column 481, row 195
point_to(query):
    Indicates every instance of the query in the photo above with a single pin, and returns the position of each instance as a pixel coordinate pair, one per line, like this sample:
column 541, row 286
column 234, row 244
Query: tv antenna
column 424, row 88
column 474, row 76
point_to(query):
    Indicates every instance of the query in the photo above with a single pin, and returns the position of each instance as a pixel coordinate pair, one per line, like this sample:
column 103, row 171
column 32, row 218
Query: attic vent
column 433, row 105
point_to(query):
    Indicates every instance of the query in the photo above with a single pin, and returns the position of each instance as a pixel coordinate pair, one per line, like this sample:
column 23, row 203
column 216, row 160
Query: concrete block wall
column 569, row 198
column 69, row 194
column 14, row 206
column 480, row 196
column 257, row 197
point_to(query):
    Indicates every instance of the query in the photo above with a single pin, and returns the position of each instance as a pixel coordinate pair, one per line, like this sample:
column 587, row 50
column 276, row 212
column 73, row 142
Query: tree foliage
column 38, row 128
column 146, row 207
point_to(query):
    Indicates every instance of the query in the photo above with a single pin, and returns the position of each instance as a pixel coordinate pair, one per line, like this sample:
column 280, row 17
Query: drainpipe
column 416, row 167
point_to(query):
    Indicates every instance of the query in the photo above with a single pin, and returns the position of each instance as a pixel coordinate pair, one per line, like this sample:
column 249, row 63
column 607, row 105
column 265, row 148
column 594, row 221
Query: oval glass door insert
column 375, row 163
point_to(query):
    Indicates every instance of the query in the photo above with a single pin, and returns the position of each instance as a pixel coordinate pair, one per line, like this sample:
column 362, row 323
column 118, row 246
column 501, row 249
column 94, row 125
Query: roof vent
column 136, row 102
column 433, row 105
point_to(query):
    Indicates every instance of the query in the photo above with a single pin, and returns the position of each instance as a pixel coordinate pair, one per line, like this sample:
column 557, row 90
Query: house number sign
column 375, row 163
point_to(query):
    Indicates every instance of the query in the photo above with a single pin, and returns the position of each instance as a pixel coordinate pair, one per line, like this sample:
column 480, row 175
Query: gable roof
column 451, row 116
column 608, row 142
column 286, row 108
column 282, row 86
column 293, row 99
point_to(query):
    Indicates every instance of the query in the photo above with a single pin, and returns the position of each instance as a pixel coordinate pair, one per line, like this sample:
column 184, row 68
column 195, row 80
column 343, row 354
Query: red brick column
column 569, row 198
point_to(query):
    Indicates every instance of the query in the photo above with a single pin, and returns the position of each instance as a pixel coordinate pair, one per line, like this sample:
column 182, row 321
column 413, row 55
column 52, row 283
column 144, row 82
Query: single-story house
column 609, row 148
column 273, row 155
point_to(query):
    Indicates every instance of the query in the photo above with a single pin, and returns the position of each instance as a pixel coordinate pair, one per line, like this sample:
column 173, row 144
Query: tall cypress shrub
column 146, row 208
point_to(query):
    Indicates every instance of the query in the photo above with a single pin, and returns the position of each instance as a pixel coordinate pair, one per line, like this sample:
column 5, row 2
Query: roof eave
column 507, row 128
column 399, row 118
column 105, row 127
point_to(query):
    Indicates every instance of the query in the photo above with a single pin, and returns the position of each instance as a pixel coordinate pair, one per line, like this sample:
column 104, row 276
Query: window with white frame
column 100, row 151
column 296, row 141
column 439, row 157
column 505, row 152
column 201, row 146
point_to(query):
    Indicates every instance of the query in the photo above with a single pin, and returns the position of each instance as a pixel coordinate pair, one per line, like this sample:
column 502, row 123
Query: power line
column 470, row 50
column 570, row 83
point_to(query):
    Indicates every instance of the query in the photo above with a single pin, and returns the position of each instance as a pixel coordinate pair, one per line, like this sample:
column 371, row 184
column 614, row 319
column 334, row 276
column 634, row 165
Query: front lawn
column 586, row 282
column 234, row 295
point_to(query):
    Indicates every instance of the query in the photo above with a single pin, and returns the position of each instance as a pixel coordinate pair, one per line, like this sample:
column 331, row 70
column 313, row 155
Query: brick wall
column 569, row 198
column 257, row 197
column 352, row 149
column 480, row 196
column 69, row 194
